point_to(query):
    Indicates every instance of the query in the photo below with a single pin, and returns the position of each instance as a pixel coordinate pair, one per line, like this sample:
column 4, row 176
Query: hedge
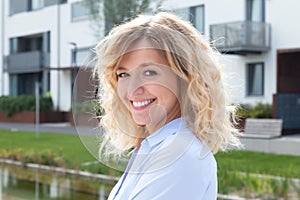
column 13, row 104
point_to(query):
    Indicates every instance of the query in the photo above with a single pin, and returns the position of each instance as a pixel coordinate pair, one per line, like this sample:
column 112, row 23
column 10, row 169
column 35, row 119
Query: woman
column 164, row 100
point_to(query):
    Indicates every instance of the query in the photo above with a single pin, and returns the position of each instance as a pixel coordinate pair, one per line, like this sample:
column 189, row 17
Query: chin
column 141, row 121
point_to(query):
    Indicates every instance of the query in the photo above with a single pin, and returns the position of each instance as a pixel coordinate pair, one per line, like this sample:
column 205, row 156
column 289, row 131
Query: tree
column 114, row 12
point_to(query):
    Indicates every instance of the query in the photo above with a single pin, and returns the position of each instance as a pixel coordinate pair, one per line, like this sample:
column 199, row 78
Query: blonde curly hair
column 203, row 99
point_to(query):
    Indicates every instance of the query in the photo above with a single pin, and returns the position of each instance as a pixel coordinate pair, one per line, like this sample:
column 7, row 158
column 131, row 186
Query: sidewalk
column 288, row 144
column 47, row 127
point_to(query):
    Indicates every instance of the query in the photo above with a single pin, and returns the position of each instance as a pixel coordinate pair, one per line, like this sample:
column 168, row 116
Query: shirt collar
column 162, row 133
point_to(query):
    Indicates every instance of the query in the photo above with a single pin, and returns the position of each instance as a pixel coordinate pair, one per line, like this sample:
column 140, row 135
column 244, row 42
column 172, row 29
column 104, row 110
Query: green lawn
column 262, row 163
column 67, row 144
column 70, row 146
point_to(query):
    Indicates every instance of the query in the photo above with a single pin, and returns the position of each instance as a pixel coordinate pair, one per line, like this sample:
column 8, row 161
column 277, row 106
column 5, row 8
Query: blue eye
column 122, row 75
column 150, row 73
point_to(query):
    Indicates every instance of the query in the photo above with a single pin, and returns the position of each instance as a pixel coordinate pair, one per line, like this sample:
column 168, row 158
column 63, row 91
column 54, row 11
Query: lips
column 141, row 104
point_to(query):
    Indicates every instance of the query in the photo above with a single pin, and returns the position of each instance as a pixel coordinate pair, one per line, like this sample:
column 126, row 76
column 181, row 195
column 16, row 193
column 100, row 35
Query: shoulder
column 182, row 169
column 179, row 151
column 196, row 159
column 190, row 149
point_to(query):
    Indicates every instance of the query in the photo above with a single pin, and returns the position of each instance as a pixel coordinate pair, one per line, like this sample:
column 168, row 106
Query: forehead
column 142, row 52
column 140, row 44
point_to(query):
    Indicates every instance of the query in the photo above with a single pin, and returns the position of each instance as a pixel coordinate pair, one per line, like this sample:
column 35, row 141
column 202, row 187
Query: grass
column 262, row 163
column 67, row 144
column 70, row 146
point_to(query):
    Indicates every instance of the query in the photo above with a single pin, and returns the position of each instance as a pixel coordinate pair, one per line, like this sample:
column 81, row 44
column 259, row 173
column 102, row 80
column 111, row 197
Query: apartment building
column 39, row 39
column 259, row 41
column 260, row 46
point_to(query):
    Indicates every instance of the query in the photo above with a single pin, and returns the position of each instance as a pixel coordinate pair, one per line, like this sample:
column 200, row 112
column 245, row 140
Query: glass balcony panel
column 241, row 37
column 26, row 62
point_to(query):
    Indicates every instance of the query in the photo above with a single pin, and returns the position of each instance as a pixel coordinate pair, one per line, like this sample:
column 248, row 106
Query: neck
column 151, row 128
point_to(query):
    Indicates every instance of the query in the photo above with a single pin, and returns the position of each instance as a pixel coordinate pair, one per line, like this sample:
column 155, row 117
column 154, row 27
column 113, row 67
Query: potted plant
column 257, row 111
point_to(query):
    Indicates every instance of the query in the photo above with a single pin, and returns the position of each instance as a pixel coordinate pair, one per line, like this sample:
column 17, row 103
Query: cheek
column 168, row 97
column 121, row 91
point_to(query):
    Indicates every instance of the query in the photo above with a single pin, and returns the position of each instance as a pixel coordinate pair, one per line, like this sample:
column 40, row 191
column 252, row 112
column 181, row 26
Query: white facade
column 281, row 15
column 56, row 19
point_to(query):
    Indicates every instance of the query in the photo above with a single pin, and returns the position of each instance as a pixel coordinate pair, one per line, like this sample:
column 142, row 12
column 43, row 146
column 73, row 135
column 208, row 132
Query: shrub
column 90, row 107
column 45, row 157
column 259, row 110
column 12, row 104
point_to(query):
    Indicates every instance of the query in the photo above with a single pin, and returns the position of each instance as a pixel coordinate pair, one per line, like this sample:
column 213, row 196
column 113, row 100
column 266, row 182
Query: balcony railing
column 27, row 62
column 244, row 37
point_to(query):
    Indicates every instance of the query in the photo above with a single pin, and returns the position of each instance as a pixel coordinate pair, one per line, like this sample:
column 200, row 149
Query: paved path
column 52, row 128
column 288, row 145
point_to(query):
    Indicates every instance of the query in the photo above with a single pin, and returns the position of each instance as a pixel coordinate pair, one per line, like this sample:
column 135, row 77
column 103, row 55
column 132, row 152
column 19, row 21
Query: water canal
column 21, row 183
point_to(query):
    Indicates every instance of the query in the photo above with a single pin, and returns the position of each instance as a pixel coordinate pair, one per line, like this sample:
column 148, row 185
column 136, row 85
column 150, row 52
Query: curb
column 61, row 170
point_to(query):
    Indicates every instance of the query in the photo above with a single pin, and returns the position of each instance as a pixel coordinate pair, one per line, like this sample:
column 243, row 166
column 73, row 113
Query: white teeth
column 141, row 103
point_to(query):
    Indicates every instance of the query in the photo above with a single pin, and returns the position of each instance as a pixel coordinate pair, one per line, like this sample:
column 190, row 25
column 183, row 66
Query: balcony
column 18, row 6
column 27, row 62
column 242, row 38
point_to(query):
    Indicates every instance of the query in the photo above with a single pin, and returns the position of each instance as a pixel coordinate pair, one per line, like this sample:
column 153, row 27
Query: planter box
column 263, row 128
column 29, row 117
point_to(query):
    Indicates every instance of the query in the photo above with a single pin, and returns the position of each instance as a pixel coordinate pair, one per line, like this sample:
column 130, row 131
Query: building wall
column 282, row 16
column 57, row 20
column 1, row 47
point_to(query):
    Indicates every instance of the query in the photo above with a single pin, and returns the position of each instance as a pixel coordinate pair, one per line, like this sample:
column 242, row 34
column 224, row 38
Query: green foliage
column 91, row 107
column 259, row 110
column 251, row 174
column 45, row 157
column 255, row 186
column 12, row 104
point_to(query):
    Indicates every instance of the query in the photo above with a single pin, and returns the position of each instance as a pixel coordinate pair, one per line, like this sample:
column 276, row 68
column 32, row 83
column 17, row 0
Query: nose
column 135, row 86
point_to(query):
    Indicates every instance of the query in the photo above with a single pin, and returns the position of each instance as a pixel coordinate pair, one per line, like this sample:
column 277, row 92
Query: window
column 30, row 43
column 36, row 4
column 194, row 14
column 79, row 11
column 53, row 2
column 22, row 84
column 18, row 6
column 255, row 10
column 255, row 79
column 197, row 17
column 13, row 45
column 85, row 57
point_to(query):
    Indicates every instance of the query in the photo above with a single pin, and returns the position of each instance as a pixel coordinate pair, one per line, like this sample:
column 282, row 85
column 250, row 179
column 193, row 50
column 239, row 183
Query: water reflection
column 21, row 183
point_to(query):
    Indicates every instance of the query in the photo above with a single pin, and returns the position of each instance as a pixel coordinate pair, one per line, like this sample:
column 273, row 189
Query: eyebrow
column 141, row 65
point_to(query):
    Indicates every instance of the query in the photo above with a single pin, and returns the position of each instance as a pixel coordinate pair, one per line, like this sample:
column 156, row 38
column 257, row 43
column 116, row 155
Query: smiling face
column 148, row 87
